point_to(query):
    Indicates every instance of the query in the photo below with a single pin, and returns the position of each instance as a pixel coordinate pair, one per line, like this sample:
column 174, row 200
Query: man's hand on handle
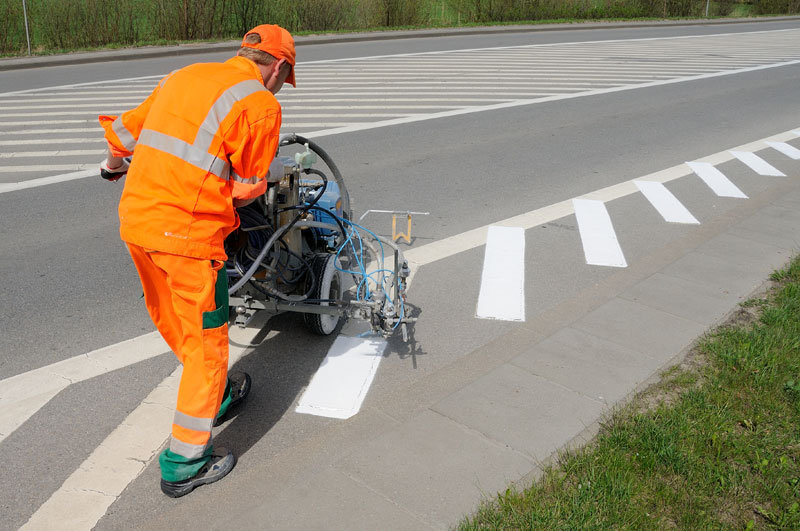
column 113, row 168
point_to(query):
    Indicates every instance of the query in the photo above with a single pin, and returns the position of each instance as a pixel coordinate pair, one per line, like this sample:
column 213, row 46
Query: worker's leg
column 158, row 298
column 200, row 303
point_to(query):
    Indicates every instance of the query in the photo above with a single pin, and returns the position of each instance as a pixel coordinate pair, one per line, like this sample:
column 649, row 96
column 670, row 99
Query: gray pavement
column 424, row 458
column 472, row 405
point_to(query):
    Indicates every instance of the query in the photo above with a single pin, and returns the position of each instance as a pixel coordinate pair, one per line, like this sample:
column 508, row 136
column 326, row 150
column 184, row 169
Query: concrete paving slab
column 652, row 332
column 722, row 273
column 522, row 410
column 435, row 468
column 597, row 368
column 756, row 256
column 696, row 301
column 331, row 500
column 776, row 226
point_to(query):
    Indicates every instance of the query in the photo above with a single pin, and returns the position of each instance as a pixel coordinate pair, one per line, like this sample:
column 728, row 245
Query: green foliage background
column 57, row 25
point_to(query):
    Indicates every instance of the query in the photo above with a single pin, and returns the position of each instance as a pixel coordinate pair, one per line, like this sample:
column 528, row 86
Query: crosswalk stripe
column 665, row 202
column 757, row 164
column 61, row 153
column 502, row 292
column 716, row 180
column 48, row 141
column 340, row 385
column 787, row 149
column 87, row 494
column 600, row 244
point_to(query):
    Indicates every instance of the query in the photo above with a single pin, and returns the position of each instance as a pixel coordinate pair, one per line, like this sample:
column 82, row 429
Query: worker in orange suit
column 203, row 143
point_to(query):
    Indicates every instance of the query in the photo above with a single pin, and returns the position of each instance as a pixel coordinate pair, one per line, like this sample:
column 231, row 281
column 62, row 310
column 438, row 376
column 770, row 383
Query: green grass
column 714, row 445
column 43, row 51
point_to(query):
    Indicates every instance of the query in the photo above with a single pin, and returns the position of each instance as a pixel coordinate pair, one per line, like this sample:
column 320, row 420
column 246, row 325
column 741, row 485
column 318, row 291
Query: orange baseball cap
column 275, row 41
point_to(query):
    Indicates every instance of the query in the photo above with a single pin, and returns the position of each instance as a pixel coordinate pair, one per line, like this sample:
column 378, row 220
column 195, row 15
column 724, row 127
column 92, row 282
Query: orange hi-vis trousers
column 187, row 298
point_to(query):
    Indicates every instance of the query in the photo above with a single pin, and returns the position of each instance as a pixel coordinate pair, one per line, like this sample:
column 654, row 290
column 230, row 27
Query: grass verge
column 715, row 444
column 43, row 51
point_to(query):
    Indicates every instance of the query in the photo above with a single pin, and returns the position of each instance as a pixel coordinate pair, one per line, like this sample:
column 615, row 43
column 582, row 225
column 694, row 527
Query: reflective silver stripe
column 221, row 108
column 251, row 180
column 192, row 423
column 186, row 152
column 123, row 134
column 197, row 153
column 189, row 451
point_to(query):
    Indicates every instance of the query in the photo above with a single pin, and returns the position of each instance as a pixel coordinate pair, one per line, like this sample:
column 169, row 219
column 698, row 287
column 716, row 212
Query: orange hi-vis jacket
column 205, row 136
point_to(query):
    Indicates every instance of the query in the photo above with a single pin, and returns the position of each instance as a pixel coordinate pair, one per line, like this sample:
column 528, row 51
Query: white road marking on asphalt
column 48, row 141
column 51, row 131
column 87, row 494
column 716, row 180
column 34, row 183
column 46, row 122
column 340, row 384
column 787, row 149
column 49, row 167
column 757, row 164
column 446, row 247
column 63, row 153
column 502, row 293
column 600, row 244
column 519, row 103
column 24, row 394
column 665, row 202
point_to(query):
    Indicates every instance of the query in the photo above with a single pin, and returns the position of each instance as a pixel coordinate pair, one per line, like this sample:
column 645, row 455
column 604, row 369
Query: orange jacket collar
column 247, row 65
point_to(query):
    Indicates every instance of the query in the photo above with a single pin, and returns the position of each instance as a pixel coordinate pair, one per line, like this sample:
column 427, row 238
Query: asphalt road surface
column 477, row 130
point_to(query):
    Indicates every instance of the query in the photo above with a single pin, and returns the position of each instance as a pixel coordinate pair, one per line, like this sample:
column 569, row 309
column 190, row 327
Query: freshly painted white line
column 50, row 131
column 48, row 167
column 502, row 293
column 340, row 384
column 46, row 122
column 34, row 183
column 665, row 202
column 787, row 149
column 64, row 153
column 49, row 141
column 87, row 494
column 600, row 245
column 24, row 394
column 757, row 164
column 716, row 180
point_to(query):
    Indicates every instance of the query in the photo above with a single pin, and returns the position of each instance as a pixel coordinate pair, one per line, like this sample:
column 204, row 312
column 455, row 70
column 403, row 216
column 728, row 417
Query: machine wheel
column 329, row 286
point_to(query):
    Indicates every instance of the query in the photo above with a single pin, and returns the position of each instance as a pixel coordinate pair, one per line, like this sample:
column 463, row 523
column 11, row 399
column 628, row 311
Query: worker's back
column 208, row 126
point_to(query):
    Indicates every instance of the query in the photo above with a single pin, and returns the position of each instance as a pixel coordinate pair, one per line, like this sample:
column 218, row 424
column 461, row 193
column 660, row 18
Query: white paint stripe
column 64, row 153
column 49, row 141
column 600, row 245
column 45, row 122
column 338, row 388
column 22, row 395
column 51, row 131
column 502, row 294
column 665, row 202
column 787, row 149
column 88, row 493
column 757, row 164
column 51, row 167
column 716, row 180
column 34, row 183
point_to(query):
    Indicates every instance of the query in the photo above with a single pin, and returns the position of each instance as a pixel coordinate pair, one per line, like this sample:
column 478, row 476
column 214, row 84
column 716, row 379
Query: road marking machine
column 297, row 249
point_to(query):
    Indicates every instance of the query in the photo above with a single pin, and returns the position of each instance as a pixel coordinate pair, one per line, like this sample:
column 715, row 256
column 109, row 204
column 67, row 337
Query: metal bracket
column 397, row 235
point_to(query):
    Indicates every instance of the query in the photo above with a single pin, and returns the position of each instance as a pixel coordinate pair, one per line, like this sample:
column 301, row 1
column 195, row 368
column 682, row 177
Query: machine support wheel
column 328, row 286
